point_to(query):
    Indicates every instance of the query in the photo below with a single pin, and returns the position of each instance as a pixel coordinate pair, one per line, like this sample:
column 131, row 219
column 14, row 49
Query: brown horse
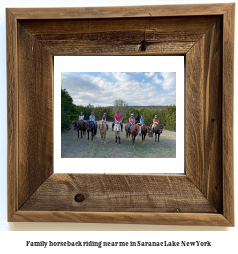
column 134, row 132
column 78, row 125
column 128, row 133
column 91, row 128
column 103, row 131
column 145, row 130
column 157, row 131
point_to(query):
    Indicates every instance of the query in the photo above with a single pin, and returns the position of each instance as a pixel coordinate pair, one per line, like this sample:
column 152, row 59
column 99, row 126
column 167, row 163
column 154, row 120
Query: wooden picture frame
column 204, row 34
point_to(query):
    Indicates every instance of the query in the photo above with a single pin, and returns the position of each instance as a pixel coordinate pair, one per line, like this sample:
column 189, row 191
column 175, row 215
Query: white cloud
column 121, row 76
column 173, row 93
column 157, row 80
column 169, row 80
column 149, row 74
column 154, row 76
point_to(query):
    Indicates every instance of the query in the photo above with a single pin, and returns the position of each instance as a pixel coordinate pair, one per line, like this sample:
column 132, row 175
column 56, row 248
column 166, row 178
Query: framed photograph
column 203, row 195
column 97, row 83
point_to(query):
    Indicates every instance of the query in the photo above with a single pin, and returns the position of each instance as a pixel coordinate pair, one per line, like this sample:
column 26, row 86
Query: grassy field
column 74, row 147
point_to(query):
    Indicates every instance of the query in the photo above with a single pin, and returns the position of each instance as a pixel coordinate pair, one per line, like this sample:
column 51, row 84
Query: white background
column 15, row 241
column 120, row 64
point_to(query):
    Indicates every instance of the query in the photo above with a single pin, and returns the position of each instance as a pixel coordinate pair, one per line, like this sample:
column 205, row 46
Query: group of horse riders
column 132, row 121
column 118, row 117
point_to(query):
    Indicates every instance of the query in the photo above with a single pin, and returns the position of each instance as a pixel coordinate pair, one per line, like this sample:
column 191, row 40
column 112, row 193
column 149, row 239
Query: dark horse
column 78, row 125
column 91, row 128
column 157, row 131
column 145, row 130
column 161, row 128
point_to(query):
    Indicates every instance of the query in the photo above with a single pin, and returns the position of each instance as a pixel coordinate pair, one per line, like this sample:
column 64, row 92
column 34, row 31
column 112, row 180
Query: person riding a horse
column 92, row 118
column 141, row 122
column 104, row 119
column 81, row 118
column 118, row 117
column 155, row 121
column 132, row 121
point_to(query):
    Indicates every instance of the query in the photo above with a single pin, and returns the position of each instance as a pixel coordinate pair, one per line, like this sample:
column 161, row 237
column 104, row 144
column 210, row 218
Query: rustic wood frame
column 204, row 34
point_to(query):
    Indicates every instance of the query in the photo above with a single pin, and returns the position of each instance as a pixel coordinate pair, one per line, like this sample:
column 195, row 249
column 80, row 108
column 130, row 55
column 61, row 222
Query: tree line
column 70, row 112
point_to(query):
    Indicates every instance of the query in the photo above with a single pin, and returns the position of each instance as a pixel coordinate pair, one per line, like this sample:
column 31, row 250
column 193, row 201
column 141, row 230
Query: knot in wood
column 143, row 45
column 79, row 198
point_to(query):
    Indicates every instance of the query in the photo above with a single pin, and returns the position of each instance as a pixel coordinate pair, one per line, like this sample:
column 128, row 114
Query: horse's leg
column 78, row 133
column 155, row 137
column 119, row 140
column 158, row 137
column 88, row 135
column 81, row 133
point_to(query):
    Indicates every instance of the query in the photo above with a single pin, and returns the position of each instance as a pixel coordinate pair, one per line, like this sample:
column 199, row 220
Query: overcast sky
column 136, row 88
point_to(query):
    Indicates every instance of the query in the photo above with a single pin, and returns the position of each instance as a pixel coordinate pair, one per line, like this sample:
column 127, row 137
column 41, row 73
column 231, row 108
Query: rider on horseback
column 92, row 118
column 118, row 117
column 104, row 119
column 155, row 121
column 132, row 121
column 81, row 118
column 141, row 122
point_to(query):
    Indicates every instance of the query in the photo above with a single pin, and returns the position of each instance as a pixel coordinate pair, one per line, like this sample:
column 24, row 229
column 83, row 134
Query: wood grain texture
column 35, row 72
column 121, row 12
column 140, row 193
column 12, row 114
column 192, row 219
column 227, row 113
column 203, row 119
column 119, row 36
column 179, row 25
column 115, row 49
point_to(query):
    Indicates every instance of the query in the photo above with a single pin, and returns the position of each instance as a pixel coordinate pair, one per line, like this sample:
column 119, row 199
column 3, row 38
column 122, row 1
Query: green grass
column 74, row 147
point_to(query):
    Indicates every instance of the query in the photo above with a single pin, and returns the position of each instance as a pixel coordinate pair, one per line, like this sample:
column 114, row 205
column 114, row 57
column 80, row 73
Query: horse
column 134, row 131
column 91, row 128
column 161, row 128
column 128, row 133
column 140, row 132
column 103, row 131
column 75, row 125
column 117, row 130
column 78, row 125
column 145, row 130
column 157, row 131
